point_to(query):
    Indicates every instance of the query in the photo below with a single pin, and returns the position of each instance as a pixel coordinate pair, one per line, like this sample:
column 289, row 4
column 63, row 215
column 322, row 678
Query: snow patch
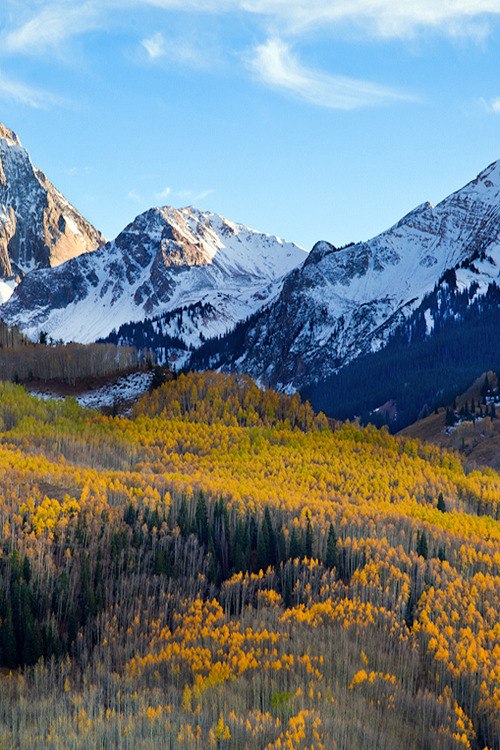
column 429, row 322
column 125, row 389
column 6, row 290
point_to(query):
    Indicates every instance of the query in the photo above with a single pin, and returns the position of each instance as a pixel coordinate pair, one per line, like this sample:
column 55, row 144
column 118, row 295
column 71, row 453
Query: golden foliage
column 153, row 636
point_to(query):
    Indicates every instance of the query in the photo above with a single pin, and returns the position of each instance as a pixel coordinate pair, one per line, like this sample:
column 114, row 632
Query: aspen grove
column 226, row 569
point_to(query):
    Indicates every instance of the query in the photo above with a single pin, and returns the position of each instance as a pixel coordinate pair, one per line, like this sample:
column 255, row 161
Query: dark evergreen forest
column 151, row 334
column 419, row 369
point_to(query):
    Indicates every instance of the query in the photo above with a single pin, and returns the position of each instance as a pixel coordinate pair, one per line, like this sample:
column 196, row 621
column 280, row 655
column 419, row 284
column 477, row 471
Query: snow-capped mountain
column 165, row 259
column 38, row 227
column 343, row 303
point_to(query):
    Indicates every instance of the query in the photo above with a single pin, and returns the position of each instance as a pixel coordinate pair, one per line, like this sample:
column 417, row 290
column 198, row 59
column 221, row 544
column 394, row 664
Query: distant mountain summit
column 165, row 259
column 343, row 303
column 39, row 228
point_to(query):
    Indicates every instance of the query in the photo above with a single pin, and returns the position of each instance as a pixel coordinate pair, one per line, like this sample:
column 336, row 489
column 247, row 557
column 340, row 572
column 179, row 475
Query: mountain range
column 345, row 303
column 165, row 259
column 201, row 290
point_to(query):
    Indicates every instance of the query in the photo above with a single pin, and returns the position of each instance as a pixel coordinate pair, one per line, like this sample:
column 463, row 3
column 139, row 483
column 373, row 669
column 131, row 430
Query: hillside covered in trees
column 22, row 359
column 223, row 570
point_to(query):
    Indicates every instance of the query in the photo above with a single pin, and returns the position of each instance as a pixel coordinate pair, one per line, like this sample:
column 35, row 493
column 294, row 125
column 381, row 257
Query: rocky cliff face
column 38, row 227
column 165, row 259
column 344, row 303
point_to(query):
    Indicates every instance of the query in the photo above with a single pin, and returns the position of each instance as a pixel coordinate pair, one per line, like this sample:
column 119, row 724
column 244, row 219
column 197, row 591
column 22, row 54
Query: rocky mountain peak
column 319, row 250
column 8, row 135
column 166, row 259
column 39, row 228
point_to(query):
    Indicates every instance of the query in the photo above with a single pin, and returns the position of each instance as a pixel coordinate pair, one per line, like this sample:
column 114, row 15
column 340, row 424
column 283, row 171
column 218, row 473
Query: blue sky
column 309, row 119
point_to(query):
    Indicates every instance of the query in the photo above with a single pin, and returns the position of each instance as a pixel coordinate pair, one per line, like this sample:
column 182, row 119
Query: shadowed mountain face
column 38, row 227
column 345, row 303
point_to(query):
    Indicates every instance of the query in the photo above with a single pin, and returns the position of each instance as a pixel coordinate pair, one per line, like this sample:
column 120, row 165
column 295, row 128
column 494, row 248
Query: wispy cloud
column 22, row 93
column 203, row 195
column 190, row 50
column 78, row 171
column 154, row 45
column 52, row 26
column 386, row 18
column 60, row 20
column 276, row 65
column 183, row 196
column 491, row 105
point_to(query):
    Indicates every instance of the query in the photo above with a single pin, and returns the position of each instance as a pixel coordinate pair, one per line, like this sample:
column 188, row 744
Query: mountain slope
column 38, row 227
column 451, row 339
column 163, row 260
column 344, row 303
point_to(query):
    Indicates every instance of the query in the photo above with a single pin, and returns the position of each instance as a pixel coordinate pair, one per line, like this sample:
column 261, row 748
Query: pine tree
column 272, row 558
column 309, row 540
column 295, row 547
column 241, row 542
column 484, row 389
column 183, row 521
column 266, row 549
column 9, row 645
column 201, row 517
column 331, row 560
column 409, row 614
column 282, row 546
column 422, row 546
column 441, row 505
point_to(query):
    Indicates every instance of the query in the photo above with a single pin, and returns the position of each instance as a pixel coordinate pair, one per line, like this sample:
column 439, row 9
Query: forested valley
column 226, row 569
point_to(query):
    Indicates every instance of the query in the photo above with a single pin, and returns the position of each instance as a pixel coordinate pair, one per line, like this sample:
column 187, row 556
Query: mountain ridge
column 344, row 303
column 165, row 259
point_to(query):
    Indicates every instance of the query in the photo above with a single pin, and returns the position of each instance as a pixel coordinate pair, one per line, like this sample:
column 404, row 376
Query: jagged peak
column 485, row 187
column 487, row 173
column 319, row 250
column 9, row 136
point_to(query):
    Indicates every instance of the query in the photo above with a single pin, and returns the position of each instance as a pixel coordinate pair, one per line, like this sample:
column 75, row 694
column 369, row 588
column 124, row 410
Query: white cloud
column 60, row 20
column 275, row 64
column 191, row 51
column 183, row 196
column 491, row 105
column 77, row 171
column 22, row 93
column 155, row 45
column 55, row 24
column 203, row 195
column 386, row 18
